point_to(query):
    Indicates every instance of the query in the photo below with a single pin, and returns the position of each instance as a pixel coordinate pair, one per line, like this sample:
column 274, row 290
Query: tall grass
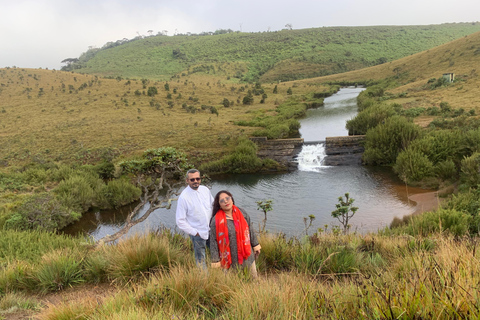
column 330, row 276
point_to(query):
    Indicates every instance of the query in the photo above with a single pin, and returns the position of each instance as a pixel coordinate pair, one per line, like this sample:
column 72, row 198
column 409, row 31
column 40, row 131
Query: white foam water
column 311, row 157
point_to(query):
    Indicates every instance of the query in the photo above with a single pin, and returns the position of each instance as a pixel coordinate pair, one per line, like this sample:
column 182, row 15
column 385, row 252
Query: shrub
column 42, row 212
column 243, row 159
column 152, row 91
column 455, row 222
column 117, row 193
column 470, row 170
column 446, row 170
column 441, row 145
column 369, row 118
column 78, row 192
column 412, row 166
column 469, row 203
column 105, row 170
column 384, row 142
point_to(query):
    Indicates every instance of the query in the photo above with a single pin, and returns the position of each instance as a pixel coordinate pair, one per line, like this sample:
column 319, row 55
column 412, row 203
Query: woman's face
column 225, row 201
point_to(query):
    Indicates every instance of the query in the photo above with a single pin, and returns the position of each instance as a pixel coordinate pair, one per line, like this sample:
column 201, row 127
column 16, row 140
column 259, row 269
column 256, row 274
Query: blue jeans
column 199, row 246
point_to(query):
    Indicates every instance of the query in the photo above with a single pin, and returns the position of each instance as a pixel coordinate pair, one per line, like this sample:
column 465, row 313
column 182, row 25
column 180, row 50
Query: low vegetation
column 327, row 275
column 267, row 56
column 68, row 139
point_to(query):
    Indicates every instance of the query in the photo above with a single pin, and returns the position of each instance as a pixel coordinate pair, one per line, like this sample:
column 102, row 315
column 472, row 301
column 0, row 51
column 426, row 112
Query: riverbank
column 425, row 202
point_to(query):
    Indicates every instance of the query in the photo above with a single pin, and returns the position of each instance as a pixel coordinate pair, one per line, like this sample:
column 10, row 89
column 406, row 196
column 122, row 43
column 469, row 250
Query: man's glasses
column 224, row 200
column 195, row 179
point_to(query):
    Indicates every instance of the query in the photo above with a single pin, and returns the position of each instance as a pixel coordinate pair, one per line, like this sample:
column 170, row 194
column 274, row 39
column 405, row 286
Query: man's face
column 193, row 180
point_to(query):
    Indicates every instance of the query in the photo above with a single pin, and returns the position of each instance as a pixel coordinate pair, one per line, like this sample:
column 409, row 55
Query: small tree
column 289, row 91
column 160, row 174
column 265, row 206
column 345, row 211
column 152, row 91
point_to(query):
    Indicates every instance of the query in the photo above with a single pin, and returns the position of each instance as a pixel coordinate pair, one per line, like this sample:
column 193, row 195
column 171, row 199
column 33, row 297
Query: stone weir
column 344, row 151
column 284, row 151
column 340, row 151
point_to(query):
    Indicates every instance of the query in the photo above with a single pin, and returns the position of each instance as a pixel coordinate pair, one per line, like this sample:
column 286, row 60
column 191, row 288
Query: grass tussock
column 327, row 276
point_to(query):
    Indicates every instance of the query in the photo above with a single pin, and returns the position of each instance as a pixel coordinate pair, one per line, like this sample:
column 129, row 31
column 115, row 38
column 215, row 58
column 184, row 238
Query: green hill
column 267, row 56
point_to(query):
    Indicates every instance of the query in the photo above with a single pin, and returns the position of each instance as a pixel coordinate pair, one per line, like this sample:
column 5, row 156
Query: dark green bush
column 443, row 220
column 117, row 193
column 42, row 212
column 469, row 203
column 413, row 166
column 79, row 192
column 369, row 118
column 470, row 170
column 384, row 142
column 446, row 170
column 243, row 160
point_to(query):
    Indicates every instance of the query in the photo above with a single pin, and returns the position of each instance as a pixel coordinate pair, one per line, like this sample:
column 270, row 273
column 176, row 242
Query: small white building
column 449, row 77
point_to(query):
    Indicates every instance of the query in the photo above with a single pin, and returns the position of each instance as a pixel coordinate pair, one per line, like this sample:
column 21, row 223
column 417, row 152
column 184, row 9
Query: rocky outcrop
column 342, row 151
column 283, row 151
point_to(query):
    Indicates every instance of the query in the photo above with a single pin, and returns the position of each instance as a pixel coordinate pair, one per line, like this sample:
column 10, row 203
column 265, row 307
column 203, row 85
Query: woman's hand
column 257, row 250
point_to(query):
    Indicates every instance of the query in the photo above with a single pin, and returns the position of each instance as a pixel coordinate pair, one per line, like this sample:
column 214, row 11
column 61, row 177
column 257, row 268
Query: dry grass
column 425, row 278
column 43, row 113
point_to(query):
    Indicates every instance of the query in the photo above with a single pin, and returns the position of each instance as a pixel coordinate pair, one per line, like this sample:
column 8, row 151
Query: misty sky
column 41, row 33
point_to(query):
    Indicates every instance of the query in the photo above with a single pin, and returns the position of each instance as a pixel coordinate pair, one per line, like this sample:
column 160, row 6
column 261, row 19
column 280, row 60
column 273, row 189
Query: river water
column 312, row 190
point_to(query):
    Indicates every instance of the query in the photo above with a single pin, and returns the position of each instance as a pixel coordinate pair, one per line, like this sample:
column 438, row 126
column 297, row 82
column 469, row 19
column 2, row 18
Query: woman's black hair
column 216, row 201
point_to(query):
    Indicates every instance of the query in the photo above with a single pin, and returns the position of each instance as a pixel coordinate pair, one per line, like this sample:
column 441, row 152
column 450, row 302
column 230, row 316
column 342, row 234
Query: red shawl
column 244, row 248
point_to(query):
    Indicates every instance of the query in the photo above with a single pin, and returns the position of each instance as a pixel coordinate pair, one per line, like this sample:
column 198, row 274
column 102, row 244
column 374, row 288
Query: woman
column 233, row 242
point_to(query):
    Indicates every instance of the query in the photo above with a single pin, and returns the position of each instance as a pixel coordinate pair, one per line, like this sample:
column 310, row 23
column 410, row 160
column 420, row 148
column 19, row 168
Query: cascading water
column 311, row 157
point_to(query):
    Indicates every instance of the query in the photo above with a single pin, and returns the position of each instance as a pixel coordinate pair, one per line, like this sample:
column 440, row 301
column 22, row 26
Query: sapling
column 345, row 211
column 265, row 206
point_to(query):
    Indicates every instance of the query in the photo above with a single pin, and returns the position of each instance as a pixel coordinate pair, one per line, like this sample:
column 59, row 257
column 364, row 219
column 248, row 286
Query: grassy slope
column 63, row 125
column 282, row 55
column 66, row 122
column 411, row 74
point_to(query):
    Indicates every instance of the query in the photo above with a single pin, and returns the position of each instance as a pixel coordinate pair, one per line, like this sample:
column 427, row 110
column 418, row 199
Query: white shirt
column 194, row 210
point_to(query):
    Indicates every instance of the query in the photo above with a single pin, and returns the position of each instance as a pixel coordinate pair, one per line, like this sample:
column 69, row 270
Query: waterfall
column 311, row 157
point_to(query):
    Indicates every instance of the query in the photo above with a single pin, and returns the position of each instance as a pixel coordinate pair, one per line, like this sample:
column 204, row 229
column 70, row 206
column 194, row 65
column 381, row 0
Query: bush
column 369, row 118
column 470, row 170
column 469, row 203
column 413, row 166
column 78, row 192
column 42, row 212
column 105, row 169
column 117, row 193
column 444, row 220
column 446, row 170
column 441, row 145
column 152, row 91
column 384, row 142
column 243, row 160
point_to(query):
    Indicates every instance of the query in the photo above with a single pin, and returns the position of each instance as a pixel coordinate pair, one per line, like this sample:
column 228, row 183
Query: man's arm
column 181, row 218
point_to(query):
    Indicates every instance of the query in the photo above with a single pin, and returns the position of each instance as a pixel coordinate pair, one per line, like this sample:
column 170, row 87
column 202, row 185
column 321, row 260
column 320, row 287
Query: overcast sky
column 41, row 33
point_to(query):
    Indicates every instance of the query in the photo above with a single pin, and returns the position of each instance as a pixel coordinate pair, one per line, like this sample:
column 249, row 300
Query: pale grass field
column 59, row 124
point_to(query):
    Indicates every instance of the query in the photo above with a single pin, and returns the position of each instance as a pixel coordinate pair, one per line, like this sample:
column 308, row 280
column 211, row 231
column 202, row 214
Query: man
column 194, row 210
